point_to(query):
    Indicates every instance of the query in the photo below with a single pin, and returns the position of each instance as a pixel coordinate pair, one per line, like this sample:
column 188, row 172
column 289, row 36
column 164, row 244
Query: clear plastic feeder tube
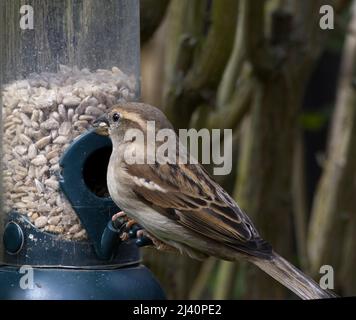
column 80, row 58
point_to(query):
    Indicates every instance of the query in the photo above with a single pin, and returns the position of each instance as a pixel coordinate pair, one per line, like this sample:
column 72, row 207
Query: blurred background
column 287, row 88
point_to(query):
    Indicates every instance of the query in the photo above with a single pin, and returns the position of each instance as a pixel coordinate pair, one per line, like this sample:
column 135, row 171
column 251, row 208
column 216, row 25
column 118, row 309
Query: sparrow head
column 125, row 116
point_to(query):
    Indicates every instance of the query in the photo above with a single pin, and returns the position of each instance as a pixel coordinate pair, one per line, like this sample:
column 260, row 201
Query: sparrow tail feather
column 292, row 278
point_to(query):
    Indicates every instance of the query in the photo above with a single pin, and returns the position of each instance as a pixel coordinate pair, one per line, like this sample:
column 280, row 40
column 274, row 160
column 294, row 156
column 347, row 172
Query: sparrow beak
column 101, row 125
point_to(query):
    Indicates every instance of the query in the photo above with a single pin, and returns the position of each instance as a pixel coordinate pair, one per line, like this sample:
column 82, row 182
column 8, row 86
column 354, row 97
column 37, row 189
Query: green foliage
column 314, row 121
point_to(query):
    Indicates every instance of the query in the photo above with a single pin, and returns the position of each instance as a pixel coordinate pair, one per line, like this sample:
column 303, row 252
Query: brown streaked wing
column 195, row 201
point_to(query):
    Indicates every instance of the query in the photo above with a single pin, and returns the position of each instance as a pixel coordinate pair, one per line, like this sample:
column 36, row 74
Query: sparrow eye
column 115, row 117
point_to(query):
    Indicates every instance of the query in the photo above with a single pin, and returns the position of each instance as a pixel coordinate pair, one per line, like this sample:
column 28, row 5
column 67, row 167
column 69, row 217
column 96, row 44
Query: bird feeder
column 63, row 64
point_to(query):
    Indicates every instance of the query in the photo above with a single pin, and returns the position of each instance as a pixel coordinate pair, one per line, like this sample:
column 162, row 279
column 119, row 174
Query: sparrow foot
column 120, row 215
column 122, row 222
column 130, row 229
column 146, row 239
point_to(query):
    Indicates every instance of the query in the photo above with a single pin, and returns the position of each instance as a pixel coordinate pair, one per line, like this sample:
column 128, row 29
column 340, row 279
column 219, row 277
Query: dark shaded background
column 265, row 69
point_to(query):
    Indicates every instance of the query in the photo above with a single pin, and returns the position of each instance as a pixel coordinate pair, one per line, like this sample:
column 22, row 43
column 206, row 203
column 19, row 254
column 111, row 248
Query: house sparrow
column 181, row 207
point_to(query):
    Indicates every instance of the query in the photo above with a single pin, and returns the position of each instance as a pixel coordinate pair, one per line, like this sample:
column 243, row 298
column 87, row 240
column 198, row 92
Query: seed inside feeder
column 42, row 115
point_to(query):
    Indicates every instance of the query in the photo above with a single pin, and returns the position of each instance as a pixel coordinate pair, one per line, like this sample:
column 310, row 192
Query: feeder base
column 26, row 283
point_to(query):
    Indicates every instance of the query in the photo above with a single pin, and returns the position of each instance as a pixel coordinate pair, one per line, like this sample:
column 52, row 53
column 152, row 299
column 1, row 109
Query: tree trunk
column 266, row 172
column 333, row 218
column 264, row 182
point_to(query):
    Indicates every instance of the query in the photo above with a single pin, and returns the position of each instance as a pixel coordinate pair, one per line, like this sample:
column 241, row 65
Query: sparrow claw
column 146, row 239
column 120, row 214
column 124, row 236
column 119, row 220
column 128, row 227
column 143, row 239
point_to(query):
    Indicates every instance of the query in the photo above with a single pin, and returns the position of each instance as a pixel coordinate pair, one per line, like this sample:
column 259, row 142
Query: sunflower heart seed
column 40, row 116
column 40, row 160
column 54, row 220
column 40, row 222
column 86, row 117
column 43, row 102
column 55, row 115
column 79, row 235
column 62, row 111
column 54, row 160
column 71, row 101
column 52, row 184
column 65, row 128
column 70, row 114
column 52, row 154
column 102, row 107
column 21, row 150
column 80, row 123
column 35, row 125
column 40, row 144
column 25, row 139
column 50, row 124
column 32, row 151
column 43, row 170
column 26, row 120
column 74, row 228
column 55, row 167
column 54, row 134
column 35, row 115
column 93, row 111
column 60, row 140
column 26, row 108
column 75, row 117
